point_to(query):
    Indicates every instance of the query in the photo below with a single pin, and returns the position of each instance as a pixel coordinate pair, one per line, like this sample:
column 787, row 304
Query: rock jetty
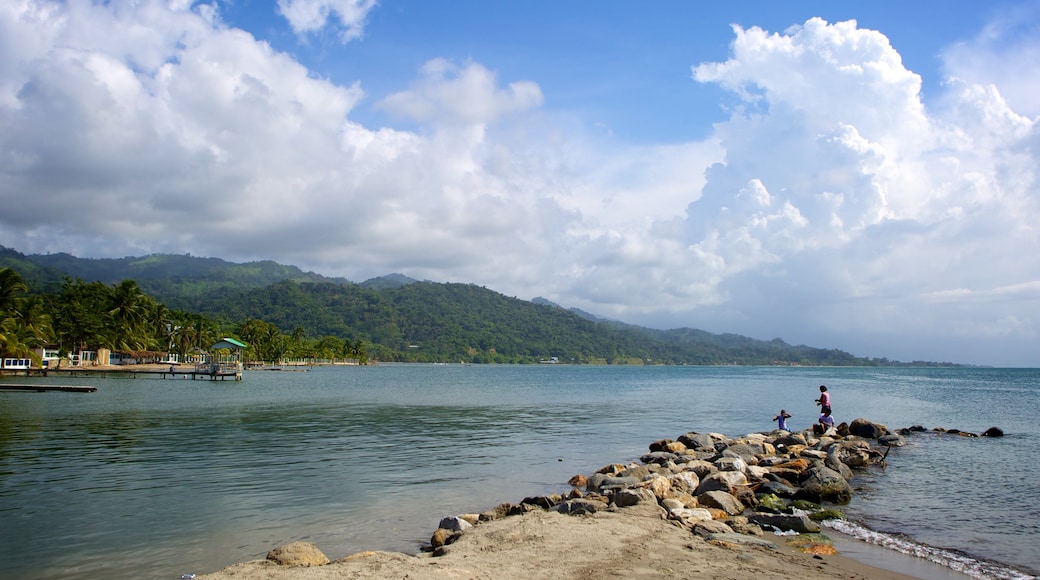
column 727, row 492
column 721, row 488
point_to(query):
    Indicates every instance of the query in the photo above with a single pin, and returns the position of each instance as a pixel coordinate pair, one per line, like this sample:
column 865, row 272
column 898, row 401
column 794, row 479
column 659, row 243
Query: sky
column 850, row 175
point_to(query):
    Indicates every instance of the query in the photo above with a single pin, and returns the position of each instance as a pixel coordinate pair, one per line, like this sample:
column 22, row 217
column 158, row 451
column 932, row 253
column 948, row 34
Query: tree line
column 124, row 319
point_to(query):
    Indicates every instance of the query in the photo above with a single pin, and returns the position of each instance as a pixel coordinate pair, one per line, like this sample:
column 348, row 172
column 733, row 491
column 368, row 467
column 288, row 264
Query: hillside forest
column 181, row 304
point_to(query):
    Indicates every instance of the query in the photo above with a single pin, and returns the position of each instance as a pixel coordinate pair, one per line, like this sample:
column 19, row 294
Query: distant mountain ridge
column 406, row 319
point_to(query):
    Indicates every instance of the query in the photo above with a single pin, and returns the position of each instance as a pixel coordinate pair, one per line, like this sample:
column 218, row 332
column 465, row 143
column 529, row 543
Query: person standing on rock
column 782, row 418
column 825, row 400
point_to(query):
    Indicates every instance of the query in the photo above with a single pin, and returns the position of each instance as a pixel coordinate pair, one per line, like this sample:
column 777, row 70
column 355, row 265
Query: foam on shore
column 940, row 559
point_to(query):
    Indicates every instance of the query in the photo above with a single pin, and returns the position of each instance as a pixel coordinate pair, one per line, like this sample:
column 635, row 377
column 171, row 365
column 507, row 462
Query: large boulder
column 725, row 481
column 634, row 495
column 298, row 554
column 697, row 441
column 824, row 484
column 684, row 481
column 722, row 501
column 867, row 429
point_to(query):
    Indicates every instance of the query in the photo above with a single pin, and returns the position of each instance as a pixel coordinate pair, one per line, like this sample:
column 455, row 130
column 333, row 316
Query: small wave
column 950, row 559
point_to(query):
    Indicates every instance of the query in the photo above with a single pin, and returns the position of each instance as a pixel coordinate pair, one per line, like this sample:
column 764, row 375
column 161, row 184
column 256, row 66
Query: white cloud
column 1005, row 54
column 312, row 15
column 830, row 208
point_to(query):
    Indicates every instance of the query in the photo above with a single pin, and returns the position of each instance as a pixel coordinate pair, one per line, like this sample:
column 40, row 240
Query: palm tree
column 128, row 309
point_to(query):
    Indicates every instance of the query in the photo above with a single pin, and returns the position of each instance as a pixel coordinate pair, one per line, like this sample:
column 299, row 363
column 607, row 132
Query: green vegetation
column 179, row 303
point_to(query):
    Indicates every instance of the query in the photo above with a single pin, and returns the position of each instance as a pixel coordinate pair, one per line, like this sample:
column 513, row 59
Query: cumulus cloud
column 851, row 203
column 313, row 15
column 831, row 207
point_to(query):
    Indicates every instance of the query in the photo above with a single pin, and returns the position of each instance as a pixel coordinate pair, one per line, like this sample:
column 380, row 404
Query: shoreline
column 667, row 516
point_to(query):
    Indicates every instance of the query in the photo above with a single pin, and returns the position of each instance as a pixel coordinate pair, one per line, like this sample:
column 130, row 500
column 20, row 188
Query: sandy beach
column 632, row 542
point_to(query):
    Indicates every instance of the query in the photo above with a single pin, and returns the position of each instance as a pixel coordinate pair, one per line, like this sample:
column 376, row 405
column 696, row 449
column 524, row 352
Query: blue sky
column 856, row 175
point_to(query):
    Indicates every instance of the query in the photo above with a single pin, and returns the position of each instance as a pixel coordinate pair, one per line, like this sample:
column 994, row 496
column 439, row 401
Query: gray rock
column 631, row 496
column 721, row 500
column 731, row 463
column 603, row 482
column 823, row 484
column 659, row 457
column 867, row 429
column 891, row 441
column 705, row 528
column 778, row 489
column 697, row 441
column 722, row 481
column 454, row 523
column 785, row 522
column 577, row 507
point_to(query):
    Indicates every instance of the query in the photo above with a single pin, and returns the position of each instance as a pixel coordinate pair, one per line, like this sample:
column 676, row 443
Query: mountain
column 408, row 320
column 387, row 282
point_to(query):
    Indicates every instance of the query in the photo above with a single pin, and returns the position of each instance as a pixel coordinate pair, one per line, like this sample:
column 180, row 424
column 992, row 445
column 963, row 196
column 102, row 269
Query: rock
column 789, row 440
column 454, row 523
column 441, row 537
column 298, row 554
column 722, row 481
column 778, row 489
column 578, row 481
column 689, row 517
column 805, row 505
column 721, row 500
column 826, row 515
column 578, row 507
column 661, row 445
column 684, row 481
column 602, row 482
column 798, row 465
column 853, row 453
column 659, row 485
column 749, row 452
column 993, row 432
column 785, row 522
column 734, row 463
column 891, row 440
column 659, row 457
column 671, row 503
column 709, row 527
column 540, row 501
column 639, row 472
column 770, row 503
column 834, row 461
column 821, row 483
column 700, row 467
column 866, row 429
column 498, row 512
column 631, row 496
column 697, row 441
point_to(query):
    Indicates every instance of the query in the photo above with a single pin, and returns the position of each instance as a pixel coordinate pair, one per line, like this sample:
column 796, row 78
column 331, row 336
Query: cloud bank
column 831, row 207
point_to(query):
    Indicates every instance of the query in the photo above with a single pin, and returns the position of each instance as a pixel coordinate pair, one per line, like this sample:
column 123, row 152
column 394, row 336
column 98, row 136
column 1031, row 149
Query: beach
column 631, row 542
column 157, row 478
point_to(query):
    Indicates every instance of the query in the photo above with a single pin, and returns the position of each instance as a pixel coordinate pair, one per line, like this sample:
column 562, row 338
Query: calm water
column 149, row 478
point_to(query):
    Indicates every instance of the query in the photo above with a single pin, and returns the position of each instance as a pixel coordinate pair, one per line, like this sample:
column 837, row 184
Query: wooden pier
column 43, row 388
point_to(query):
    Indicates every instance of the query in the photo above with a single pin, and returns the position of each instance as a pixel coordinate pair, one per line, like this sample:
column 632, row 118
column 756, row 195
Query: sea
column 154, row 478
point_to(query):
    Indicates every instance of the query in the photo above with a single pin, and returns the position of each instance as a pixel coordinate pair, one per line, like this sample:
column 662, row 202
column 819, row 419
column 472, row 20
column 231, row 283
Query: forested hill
column 427, row 321
column 402, row 319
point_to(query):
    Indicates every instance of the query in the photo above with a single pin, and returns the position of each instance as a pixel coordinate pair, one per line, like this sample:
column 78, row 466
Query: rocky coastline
column 748, row 504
